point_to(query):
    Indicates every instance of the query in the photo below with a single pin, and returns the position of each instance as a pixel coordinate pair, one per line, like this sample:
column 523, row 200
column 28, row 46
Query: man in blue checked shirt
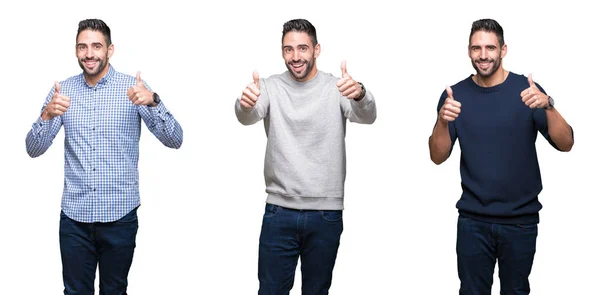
column 101, row 111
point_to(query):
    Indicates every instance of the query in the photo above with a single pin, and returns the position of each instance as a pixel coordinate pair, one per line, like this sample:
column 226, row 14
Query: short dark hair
column 300, row 25
column 488, row 25
column 95, row 25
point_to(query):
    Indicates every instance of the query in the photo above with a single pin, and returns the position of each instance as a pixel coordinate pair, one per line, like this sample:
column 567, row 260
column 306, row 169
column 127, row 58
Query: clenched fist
column 139, row 94
column 451, row 108
column 251, row 93
column 57, row 106
column 348, row 86
column 533, row 97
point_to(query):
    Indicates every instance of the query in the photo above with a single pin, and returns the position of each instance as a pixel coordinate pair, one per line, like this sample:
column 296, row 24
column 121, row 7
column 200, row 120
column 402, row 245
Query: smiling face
column 486, row 53
column 93, row 54
column 300, row 55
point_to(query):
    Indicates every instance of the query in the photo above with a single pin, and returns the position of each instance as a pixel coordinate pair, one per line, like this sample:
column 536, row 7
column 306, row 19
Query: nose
column 484, row 54
column 296, row 55
column 89, row 53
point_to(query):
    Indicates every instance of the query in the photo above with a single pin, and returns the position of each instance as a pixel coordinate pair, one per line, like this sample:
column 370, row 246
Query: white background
column 202, row 205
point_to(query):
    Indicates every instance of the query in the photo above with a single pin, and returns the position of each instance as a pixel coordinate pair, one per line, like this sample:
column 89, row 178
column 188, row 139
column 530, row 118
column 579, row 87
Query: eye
column 287, row 50
column 303, row 49
column 80, row 47
column 97, row 46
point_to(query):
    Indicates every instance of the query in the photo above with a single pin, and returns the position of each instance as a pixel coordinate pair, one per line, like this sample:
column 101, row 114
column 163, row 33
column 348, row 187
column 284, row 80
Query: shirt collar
column 107, row 77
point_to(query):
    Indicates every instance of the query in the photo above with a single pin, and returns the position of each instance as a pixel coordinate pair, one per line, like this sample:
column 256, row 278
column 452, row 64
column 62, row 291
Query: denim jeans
column 109, row 245
column 312, row 235
column 478, row 246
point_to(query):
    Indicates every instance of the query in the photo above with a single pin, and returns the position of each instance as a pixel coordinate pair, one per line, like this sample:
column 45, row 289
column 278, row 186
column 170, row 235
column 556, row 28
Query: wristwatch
column 550, row 103
column 362, row 93
column 156, row 98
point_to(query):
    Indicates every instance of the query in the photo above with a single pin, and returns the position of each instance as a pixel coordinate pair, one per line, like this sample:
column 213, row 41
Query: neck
column 496, row 78
column 93, row 80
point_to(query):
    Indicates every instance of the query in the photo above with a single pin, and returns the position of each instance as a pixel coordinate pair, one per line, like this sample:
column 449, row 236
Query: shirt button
column 94, row 189
column 93, row 169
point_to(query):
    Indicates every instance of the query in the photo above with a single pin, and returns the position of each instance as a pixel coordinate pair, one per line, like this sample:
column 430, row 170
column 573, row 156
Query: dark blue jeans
column 312, row 235
column 108, row 245
column 479, row 244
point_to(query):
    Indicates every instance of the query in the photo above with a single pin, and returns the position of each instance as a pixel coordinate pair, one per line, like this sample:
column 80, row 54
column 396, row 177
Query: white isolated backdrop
column 202, row 205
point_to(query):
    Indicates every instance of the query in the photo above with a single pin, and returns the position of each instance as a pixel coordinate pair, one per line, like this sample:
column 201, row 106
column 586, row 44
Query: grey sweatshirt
column 305, row 123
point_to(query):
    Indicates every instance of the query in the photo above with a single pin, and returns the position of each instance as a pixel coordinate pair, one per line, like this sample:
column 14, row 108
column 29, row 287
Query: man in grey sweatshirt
column 304, row 112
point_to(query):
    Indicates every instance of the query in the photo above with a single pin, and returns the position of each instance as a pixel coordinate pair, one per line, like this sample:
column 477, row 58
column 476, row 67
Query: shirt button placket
column 94, row 141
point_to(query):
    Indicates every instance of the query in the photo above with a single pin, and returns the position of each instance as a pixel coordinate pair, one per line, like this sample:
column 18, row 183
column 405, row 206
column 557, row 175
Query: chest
column 494, row 115
column 100, row 110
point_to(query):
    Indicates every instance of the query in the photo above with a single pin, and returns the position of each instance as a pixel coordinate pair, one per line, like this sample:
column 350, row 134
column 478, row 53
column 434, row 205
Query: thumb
column 56, row 87
column 256, row 79
column 449, row 92
column 530, row 79
column 344, row 71
column 138, row 79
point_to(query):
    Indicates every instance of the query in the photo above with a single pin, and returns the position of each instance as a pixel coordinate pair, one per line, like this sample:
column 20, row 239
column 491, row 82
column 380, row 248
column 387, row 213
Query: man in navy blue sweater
column 496, row 115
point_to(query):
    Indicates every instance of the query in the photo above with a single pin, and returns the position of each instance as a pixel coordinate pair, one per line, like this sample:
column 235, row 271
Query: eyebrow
column 94, row 43
column 486, row 46
column 290, row 46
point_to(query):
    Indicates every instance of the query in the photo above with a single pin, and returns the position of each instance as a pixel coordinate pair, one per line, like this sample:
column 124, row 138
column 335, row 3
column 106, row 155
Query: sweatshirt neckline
column 490, row 89
column 308, row 83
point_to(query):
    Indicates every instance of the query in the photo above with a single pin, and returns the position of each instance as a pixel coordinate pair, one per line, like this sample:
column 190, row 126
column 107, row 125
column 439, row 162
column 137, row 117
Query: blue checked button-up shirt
column 102, row 134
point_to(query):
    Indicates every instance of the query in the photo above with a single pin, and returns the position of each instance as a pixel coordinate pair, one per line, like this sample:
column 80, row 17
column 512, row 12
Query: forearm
column 559, row 130
column 440, row 143
column 40, row 137
column 246, row 116
column 163, row 125
column 363, row 111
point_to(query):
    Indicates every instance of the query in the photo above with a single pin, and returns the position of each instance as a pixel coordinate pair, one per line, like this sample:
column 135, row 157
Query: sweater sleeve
column 42, row 133
column 249, row 116
column 451, row 125
column 541, row 122
column 362, row 112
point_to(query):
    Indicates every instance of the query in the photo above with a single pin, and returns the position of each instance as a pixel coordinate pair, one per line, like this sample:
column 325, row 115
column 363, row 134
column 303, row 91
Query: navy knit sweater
column 498, row 165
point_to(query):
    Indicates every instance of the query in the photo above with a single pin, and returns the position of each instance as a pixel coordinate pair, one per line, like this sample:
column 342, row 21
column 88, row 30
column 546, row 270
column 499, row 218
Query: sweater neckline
column 308, row 83
column 494, row 88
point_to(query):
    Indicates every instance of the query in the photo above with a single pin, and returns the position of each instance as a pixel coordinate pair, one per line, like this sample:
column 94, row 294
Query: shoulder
column 327, row 78
column 123, row 78
column 463, row 84
column 521, row 81
column 516, row 79
column 73, row 80
column 460, row 87
column 276, row 78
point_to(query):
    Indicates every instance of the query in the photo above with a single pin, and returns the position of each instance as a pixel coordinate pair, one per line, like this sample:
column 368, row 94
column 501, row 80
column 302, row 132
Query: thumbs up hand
column 533, row 97
column 57, row 106
column 451, row 108
column 139, row 94
column 348, row 86
column 251, row 93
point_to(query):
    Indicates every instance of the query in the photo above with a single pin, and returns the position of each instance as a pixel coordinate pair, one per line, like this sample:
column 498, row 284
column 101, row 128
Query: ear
column 317, row 51
column 503, row 51
column 111, row 50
